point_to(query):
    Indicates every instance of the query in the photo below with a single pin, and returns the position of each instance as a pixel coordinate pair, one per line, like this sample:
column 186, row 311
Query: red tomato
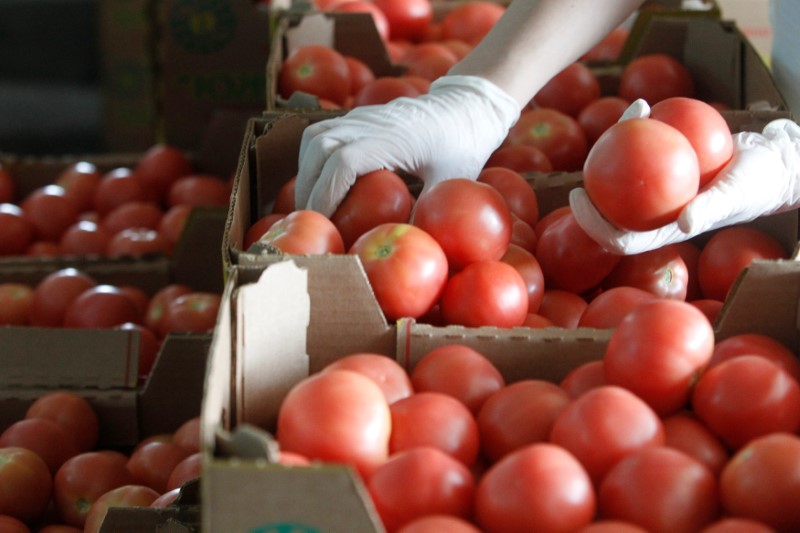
column 16, row 231
column 27, row 484
column 8, row 187
column 710, row 308
column 173, row 222
column 745, row 398
column 557, row 134
column 384, row 89
column 101, row 306
column 528, row 267
column 728, row 252
column 375, row 198
column 460, row 371
column 192, row 312
column 658, row 351
column 661, row 489
column 199, row 190
column 362, row 6
column 563, row 308
column 152, row 464
column 54, row 293
column 408, row 19
column 471, row 21
column 284, row 199
column 762, row 482
column 607, row 309
column 569, row 91
column 43, row 249
column 82, row 479
column 136, row 214
column 485, row 293
column 599, row 115
column 540, row 487
column 611, row 526
column 318, row 70
column 154, row 314
column 570, row 259
column 384, row 371
column 9, row 524
column 79, row 181
column 16, row 301
column 49, row 211
column 551, row 217
column 360, row 73
column 470, row 220
column 124, row 496
column 434, row 419
column 655, row 77
column 439, row 524
column 516, row 191
column 583, row 378
column 166, row 499
column 188, row 435
column 523, row 235
column 737, row 525
column 304, row 232
column 138, row 242
column 406, row 268
column 756, row 344
column 84, row 238
column 609, row 48
column 520, row 158
column 70, row 410
column 258, row 228
column 429, row 60
column 336, row 416
column 158, row 168
column 117, row 187
column 191, row 467
column 704, row 127
column 661, row 272
column 519, row 414
column 690, row 253
column 49, row 439
column 605, row 424
column 443, row 485
column 686, row 433
column 635, row 186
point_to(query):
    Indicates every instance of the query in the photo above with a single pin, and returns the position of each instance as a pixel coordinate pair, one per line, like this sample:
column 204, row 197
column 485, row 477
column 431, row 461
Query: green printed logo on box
column 286, row 527
column 202, row 26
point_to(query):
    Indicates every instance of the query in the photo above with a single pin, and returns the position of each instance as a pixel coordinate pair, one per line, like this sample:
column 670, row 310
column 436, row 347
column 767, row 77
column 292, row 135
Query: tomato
column 557, row 134
column 54, row 293
column 362, row 6
column 540, row 487
column 336, row 416
column 607, row 309
column 686, row 433
column 747, row 397
column 124, row 496
column 520, row 158
column 704, row 127
column 304, row 232
column 471, row 21
column 384, row 89
column 609, row 48
column 485, row 293
column 166, row 499
column 516, row 191
column 570, row 259
column 258, row 228
column 528, row 267
column 71, row 411
column 49, row 211
column 756, row 344
column 375, row 198
column 523, row 235
column 191, row 467
column 611, row 526
column 661, row 272
column 519, row 414
column 101, row 306
column 318, row 70
column 117, row 187
column 84, row 238
column 188, row 435
column 569, row 91
column 16, row 300
column 392, row 378
column 661, row 489
column 149, row 346
column 408, row 19
column 655, row 77
column 158, row 168
column 762, row 482
column 79, row 181
column 583, row 377
column 737, row 525
column 199, row 190
column 728, row 252
column 634, row 186
column 151, row 464
column 563, row 308
column 136, row 214
column 138, row 242
column 440, row 524
column 470, row 220
column 429, row 60
column 284, row 199
column 194, row 312
column 599, row 115
column 154, row 313
column 8, row 187
column 16, row 231
column 710, row 308
column 658, row 351
column 27, row 483
column 9, row 524
column 82, row 479
column 442, row 485
column 173, row 222
column 690, row 253
column 43, row 249
column 605, row 424
column 49, row 439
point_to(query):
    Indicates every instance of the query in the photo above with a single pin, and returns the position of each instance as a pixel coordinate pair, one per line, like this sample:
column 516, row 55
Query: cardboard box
column 182, row 516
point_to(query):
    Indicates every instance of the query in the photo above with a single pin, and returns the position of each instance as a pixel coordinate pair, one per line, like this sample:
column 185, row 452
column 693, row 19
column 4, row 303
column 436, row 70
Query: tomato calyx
column 541, row 130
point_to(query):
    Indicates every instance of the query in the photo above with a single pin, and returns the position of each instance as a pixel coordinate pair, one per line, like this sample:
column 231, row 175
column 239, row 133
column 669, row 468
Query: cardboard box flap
column 182, row 516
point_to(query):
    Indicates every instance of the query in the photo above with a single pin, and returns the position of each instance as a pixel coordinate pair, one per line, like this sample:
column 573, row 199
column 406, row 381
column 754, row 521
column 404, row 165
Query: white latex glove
column 446, row 133
column 762, row 178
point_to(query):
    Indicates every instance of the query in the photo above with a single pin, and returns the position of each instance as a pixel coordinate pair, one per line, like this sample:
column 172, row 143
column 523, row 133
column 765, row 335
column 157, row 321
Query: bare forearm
column 536, row 39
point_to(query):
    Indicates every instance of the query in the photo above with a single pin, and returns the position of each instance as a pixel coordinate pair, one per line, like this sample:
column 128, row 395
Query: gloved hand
column 762, row 178
column 448, row 132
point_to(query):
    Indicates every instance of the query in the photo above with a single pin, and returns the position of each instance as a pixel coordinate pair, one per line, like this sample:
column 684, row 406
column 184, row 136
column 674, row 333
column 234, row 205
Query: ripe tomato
column 516, row 191
column 737, row 525
column 704, row 127
column 27, row 484
column 471, row 21
column 79, row 181
column 154, row 314
column 599, row 115
column 117, row 187
column 375, row 198
column 392, row 378
column 605, row 424
column 690, row 253
column 442, row 484
column 686, row 433
column 166, row 499
column 408, row 19
column 569, row 91
column 485, row 293
column 82, row 479
column 16, row 300
column 519, row 414
column 520, row 158
column 439, row 523
column 258, row 228
column 138, row 242
column 192, row 312
column 557, row 134
column 304, row 232
column 284, row 199
column 609, row 48
column 199, row 190
column 523, row 235
column 540, row 487
column 173, row 222
column 658, row 351
column 9, row 524
column 745, row 398
column 528, row 267
column 655, row 77
column 136, row 214
column 84, row 238
column 607, row 309
column 191, row 467
column 338, row 416
column 384, row 89
column 49, row 211
column 16, row 231
column 188, row 435
column 152, row 464
column 159, row 167
column 570, row 259
column 54, row 293
column 318, row 70
column 429, row 60
column 49, row 439
column 563, row 308
column 635, row 186
column 661, row 489
column 584, row 377
column 124, row 496
column 729, row 251
column 406, row 268
column 661, row 272
column 756, row 344
column 469, row 219
column 360, row 73
column 101, row 306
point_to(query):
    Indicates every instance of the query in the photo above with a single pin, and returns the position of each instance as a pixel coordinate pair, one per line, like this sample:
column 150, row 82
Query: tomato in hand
column 304, row 232
column 318, row 70
column 655, row 77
